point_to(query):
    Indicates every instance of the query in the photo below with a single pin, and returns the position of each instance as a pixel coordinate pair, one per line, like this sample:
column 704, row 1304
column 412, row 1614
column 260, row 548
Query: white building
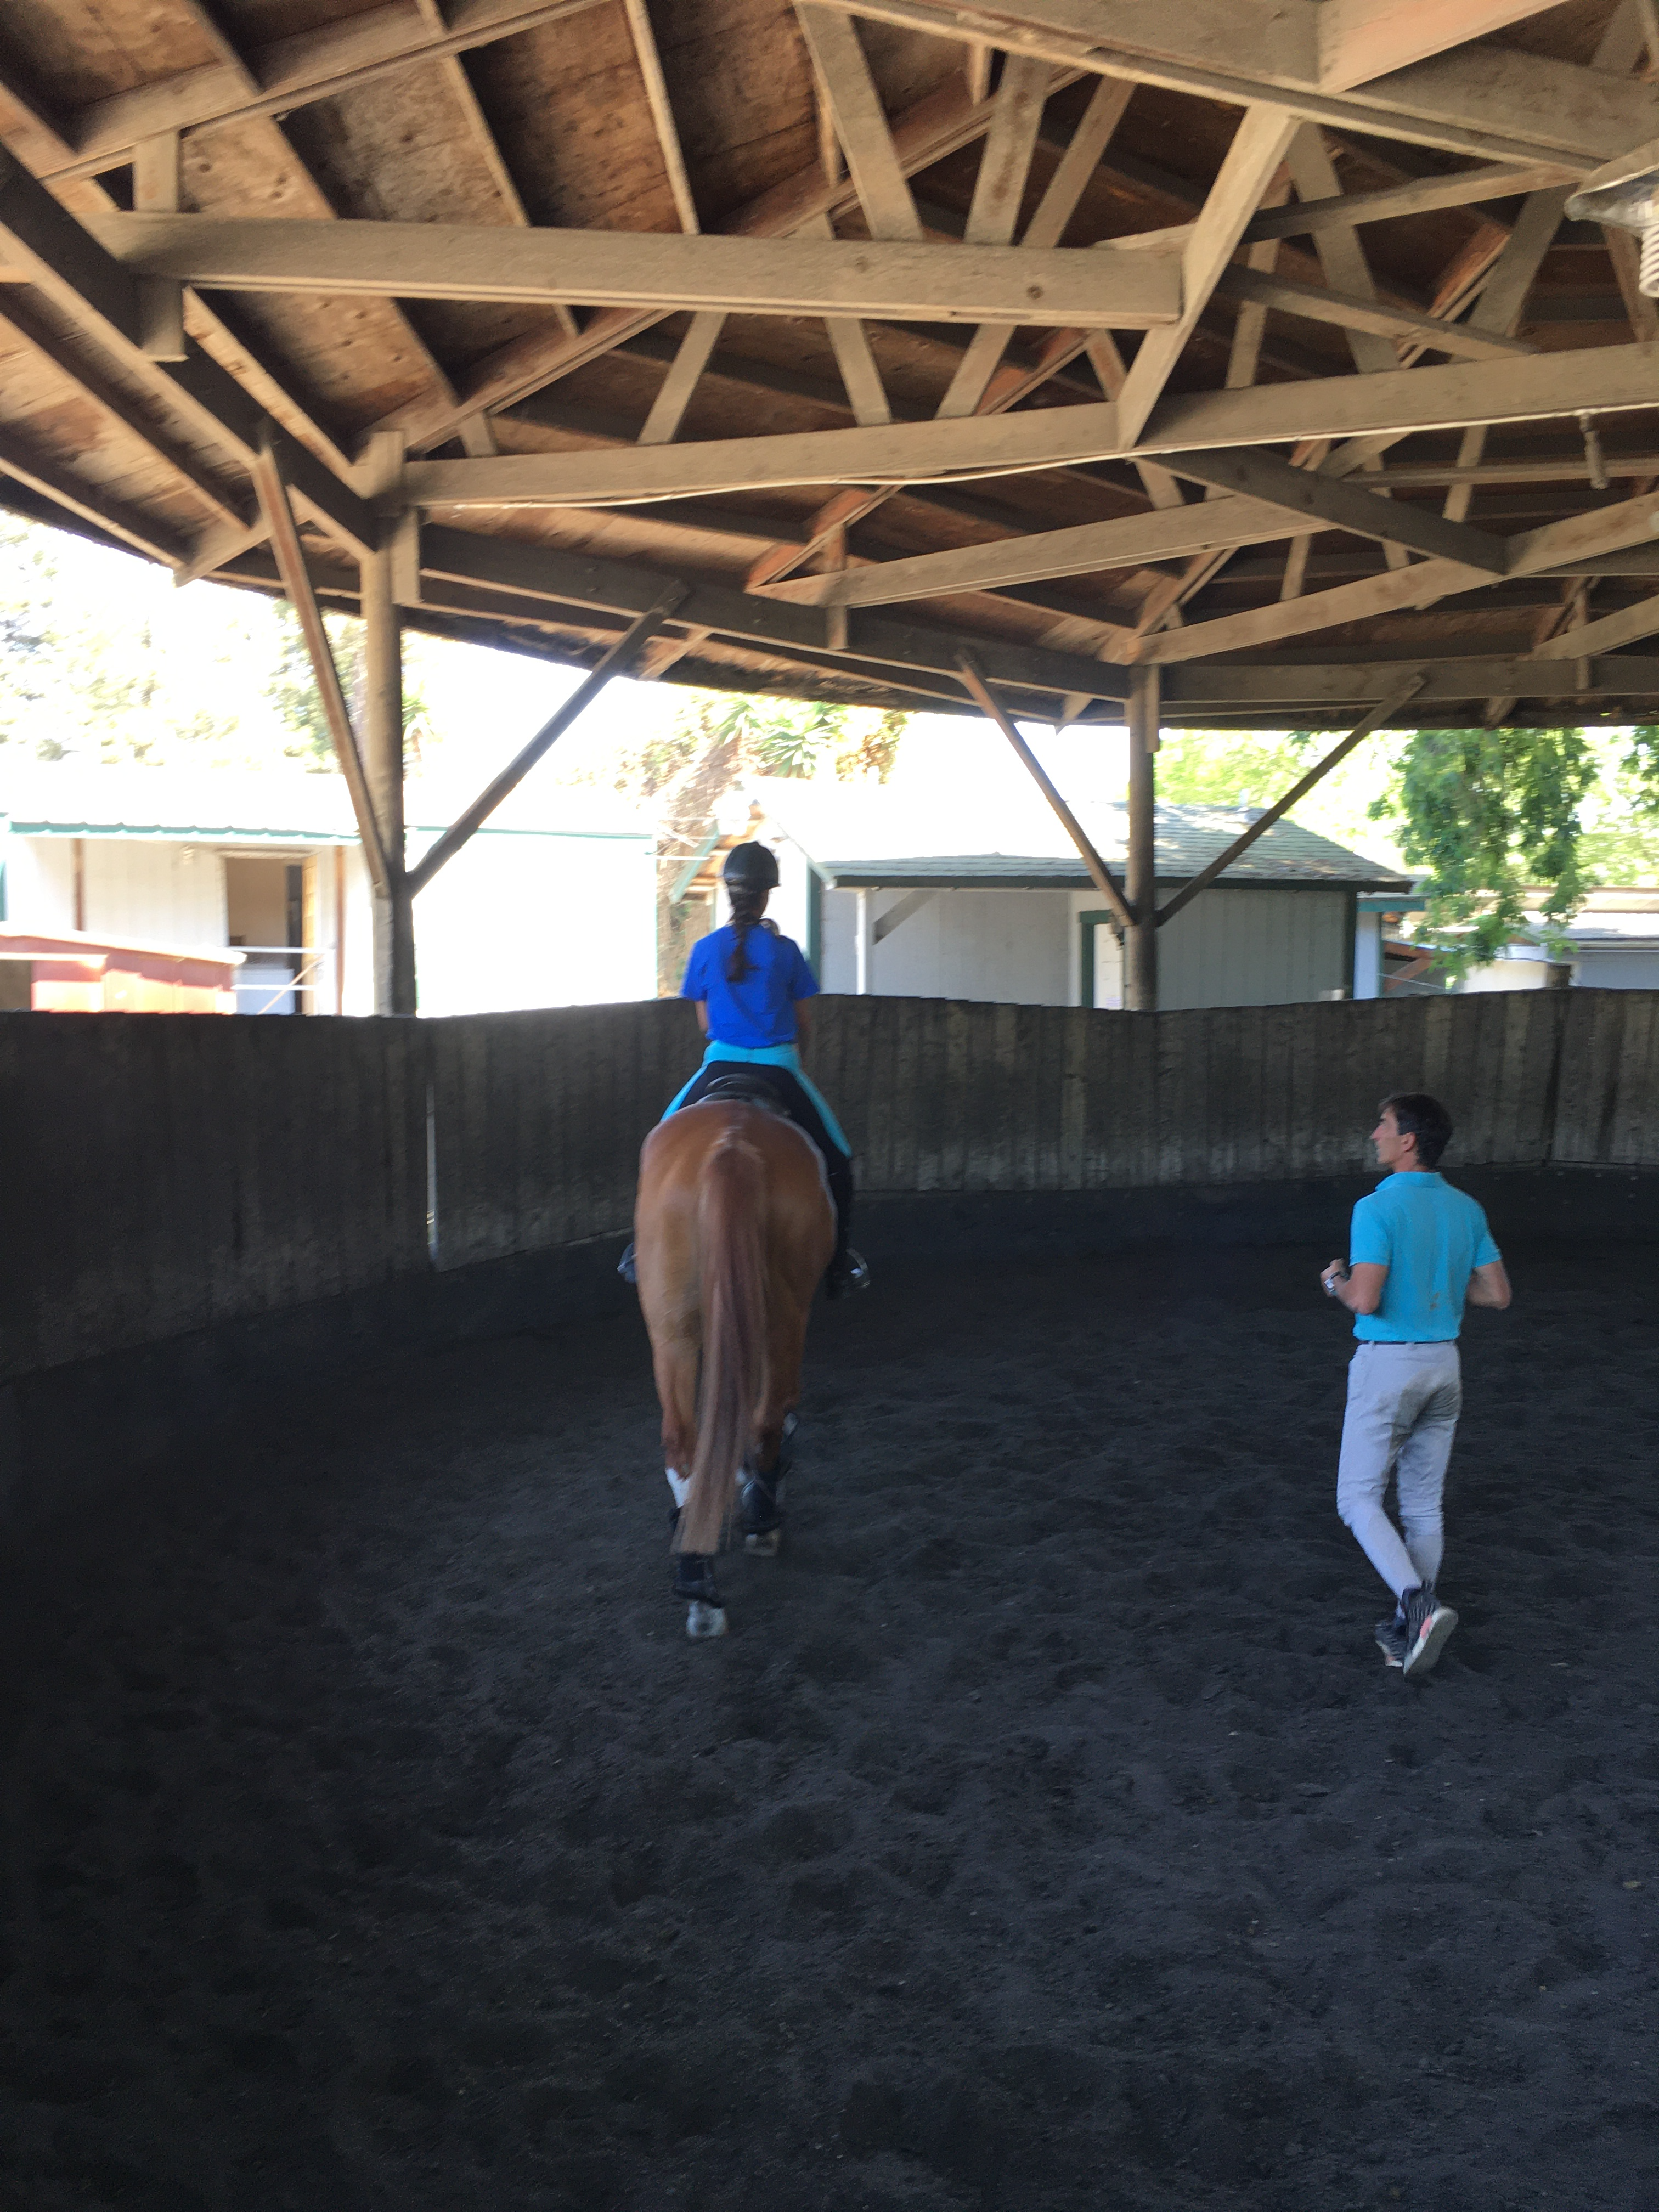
column 1614, row 942
column 952, row 897
column 552, row 903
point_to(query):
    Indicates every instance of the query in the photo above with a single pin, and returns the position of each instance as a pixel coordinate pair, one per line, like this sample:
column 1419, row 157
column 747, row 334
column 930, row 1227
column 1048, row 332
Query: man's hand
column 1360, row 1288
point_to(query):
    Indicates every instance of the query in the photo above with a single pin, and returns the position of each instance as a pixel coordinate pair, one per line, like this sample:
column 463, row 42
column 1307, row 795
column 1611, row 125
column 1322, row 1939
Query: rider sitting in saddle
column 751, row 986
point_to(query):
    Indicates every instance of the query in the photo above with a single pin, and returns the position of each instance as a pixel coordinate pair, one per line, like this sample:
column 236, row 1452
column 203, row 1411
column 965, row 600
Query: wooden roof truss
column 1246, row 340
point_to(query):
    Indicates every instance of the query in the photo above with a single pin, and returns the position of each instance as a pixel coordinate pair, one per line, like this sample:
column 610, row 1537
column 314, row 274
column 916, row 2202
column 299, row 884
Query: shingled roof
column 860, row 836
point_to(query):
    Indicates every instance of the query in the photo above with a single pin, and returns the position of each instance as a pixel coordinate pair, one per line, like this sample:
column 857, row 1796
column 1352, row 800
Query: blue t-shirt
column 1431, row 1239
column 761, row 1010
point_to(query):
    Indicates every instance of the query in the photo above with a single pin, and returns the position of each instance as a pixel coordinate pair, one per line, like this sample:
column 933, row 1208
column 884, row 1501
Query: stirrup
column 847, row 1274
column 625, row 1266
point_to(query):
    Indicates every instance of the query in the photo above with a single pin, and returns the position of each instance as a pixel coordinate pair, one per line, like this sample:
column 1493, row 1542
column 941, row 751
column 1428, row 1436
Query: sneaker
column 1390, row 1636
column 1428, row 1623
column 850, row 1272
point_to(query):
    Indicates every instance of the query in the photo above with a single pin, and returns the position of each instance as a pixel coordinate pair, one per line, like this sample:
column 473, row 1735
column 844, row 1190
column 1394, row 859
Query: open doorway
column 270, row 905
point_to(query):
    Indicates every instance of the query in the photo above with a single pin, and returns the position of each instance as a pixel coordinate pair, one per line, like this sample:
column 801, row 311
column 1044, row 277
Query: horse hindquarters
column 731, row 1210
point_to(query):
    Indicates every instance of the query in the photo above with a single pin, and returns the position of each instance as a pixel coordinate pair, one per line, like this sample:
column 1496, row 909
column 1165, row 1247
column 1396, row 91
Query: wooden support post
column 383, row 767
column 378, row 480
column 1140, row 940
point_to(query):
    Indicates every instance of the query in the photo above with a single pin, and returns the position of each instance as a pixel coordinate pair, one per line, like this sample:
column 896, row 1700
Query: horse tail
column 731, row 1205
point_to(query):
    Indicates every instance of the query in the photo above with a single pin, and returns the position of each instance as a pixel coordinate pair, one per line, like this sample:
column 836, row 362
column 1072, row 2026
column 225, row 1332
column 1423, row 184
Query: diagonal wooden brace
column 618, row 660
column 284, row 534
column 1104, row 881
column 1265, row 821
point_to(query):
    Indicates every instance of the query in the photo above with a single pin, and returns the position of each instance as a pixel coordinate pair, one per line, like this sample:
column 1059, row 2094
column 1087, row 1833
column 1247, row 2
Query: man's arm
column 803, row 1026
column 1358, row 1287
column 702, row 1005
column 1489, row 1285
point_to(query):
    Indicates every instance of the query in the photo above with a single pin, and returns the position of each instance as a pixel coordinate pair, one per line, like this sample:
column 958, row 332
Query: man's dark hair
column 1417, row 1115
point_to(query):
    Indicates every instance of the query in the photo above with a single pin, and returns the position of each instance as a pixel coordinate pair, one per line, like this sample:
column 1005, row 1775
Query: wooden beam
column 1359, row 40
column 897, row 915
column 1601, row 380
column 1351, row 311
column 891, row 281
column 662, row 424
column 1422, row 195
column 297, row 581
column 1498, row 104
column 1623, row 628
column 1303, row 688
column 99, row 299
column 861, row 126
column 1341, row 506
column 1299, row 791
column 479, row 130
column 1630, row 522
column 1100, row 875
column 616, row 660
column 936, row 126
column 16, row 313
column 662, row 112
column 290, row 72
column 542, row 573
column 993, row 211
column 155, row 191
column 1085, row 550
column 77, row 496
column 1258, row 145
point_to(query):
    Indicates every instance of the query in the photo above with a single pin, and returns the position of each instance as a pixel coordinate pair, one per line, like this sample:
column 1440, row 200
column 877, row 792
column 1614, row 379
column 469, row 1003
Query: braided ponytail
column 747, row 908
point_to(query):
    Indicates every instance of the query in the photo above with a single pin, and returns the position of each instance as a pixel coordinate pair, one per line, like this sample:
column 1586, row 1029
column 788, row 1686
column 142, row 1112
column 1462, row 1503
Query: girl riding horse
column 752, row 987
column 733, row 1225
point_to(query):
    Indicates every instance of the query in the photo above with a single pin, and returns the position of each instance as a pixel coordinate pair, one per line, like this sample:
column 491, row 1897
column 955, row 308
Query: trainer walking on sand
column 1418, row 1251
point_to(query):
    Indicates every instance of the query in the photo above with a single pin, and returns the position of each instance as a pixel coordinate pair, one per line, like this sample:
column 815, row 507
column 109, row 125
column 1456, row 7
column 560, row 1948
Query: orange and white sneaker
column 1428, row 1623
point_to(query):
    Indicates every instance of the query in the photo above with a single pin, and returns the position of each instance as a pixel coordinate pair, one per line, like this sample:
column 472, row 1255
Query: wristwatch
column 1330, row 1283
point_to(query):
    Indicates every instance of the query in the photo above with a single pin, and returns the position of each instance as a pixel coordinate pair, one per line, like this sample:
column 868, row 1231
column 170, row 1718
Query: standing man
column 1418, row 1250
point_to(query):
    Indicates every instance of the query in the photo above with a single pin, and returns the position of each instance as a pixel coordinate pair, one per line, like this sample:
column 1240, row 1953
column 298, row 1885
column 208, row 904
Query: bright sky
column 483, row 704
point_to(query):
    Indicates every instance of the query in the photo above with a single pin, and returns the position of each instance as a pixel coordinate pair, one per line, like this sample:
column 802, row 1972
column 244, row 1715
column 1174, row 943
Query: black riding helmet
column 750, row 868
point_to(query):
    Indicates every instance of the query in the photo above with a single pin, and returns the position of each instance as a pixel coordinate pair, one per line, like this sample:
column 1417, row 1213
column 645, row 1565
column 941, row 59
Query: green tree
column 1228, row 768
column 1490, row 813
column 291, row 689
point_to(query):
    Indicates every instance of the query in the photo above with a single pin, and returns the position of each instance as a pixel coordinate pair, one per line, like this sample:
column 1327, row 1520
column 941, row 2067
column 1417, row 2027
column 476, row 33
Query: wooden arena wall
column 164, row 1175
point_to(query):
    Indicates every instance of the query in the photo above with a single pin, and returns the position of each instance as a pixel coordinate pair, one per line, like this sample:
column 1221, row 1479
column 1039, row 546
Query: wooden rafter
column 895, row 280
column 292, row 72
column 1500, row 105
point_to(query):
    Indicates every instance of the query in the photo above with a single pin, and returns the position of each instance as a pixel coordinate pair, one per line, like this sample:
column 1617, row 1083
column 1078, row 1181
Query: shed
column 960, row 897
column 1612, row 943
column 67, row 972
column 270, row 864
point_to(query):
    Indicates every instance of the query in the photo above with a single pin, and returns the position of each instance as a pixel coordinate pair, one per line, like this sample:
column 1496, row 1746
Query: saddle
column 743, row 1088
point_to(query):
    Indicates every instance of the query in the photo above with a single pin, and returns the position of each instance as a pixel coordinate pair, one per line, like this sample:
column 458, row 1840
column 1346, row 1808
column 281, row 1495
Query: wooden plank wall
column 163, row 1173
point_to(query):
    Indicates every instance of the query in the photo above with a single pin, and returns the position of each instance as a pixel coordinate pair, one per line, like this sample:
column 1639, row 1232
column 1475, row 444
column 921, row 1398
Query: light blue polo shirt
column 1431, row 1239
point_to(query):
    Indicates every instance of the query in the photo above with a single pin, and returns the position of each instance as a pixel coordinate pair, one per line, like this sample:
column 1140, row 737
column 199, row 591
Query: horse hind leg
column 760, row 1499
column 694, row 1582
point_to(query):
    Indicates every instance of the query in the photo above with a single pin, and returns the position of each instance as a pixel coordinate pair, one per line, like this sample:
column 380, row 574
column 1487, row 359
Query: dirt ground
column 1048, row 1833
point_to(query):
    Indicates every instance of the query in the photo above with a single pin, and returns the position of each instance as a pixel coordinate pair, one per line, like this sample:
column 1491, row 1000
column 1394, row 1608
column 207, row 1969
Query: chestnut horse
column 734, row 1227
